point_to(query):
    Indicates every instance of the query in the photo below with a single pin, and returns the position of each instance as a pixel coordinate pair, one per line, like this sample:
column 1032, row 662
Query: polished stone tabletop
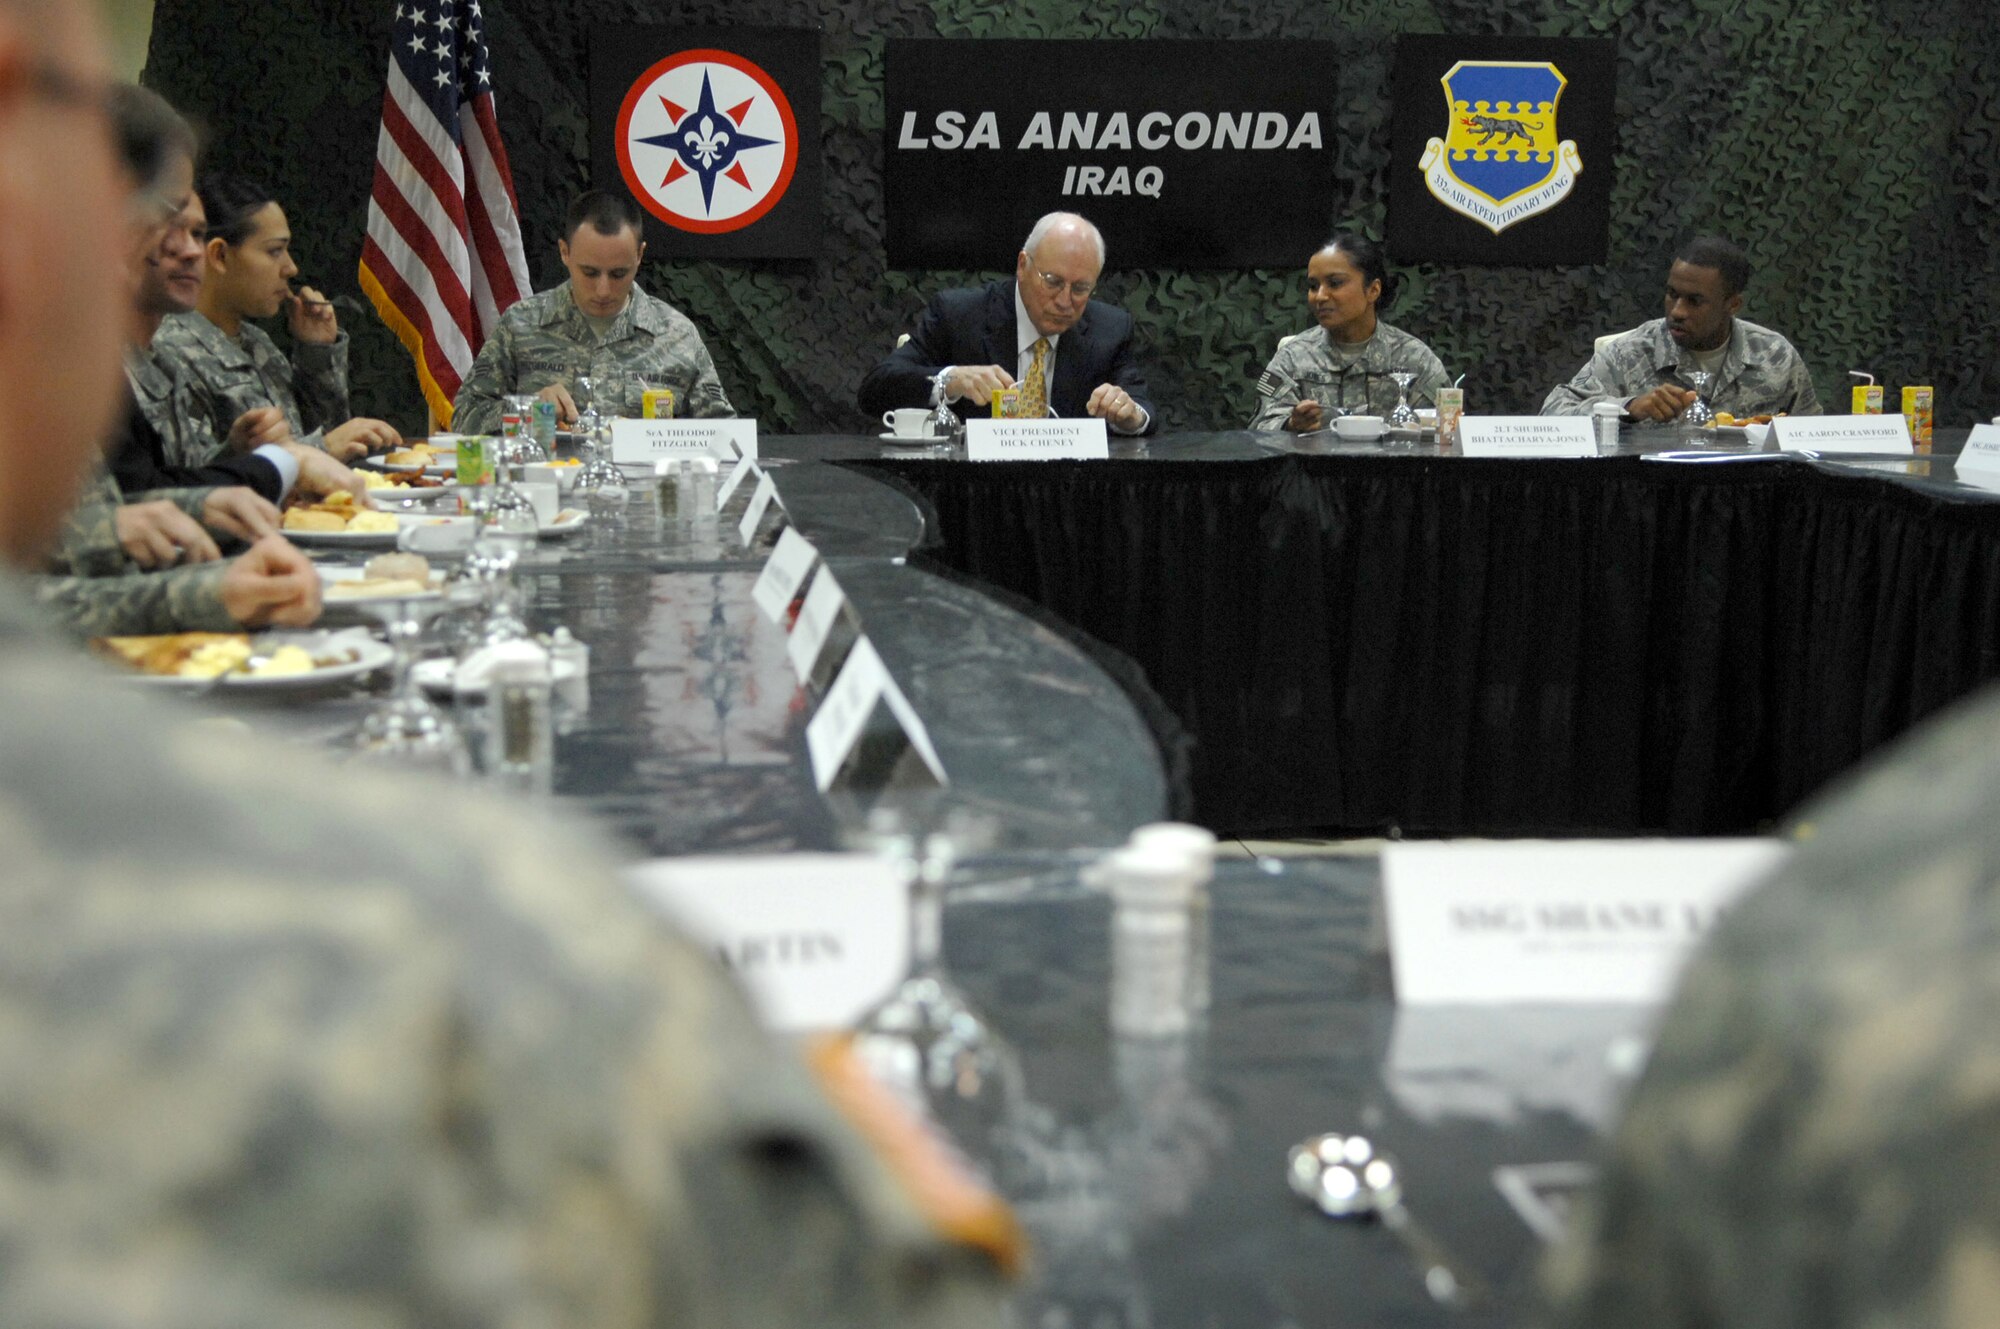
column 1150, row 1171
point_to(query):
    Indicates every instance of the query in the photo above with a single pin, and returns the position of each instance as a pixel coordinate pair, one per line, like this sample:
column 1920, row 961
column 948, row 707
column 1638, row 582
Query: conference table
column 1362, row 638
column 1383, row 639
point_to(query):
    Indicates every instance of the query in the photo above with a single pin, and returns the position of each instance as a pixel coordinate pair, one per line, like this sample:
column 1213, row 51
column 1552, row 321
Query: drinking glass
column 406, row 728
column 519, row 448
column 1698, row 415
column 1403, row 417
column 504, row 535
column 924, row 1040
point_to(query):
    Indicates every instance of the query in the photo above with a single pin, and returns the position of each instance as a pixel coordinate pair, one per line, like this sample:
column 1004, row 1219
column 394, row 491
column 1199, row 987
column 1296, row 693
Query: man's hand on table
column 976, row 383
column 361, row 436
column 320, row 475
column 1305, row 417
column 242, row 512
column 565, row 404
column 159, row 535
column 1663, row 403
column 272, row 584
column 1115, row 406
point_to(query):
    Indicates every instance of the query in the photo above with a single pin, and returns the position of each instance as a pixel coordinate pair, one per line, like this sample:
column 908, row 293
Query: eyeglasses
column 1054, row 285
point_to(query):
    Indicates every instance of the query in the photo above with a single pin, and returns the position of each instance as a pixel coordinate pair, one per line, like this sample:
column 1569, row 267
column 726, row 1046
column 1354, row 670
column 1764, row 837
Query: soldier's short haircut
column 1725, row 256
column 151, row 134
column 607, row 213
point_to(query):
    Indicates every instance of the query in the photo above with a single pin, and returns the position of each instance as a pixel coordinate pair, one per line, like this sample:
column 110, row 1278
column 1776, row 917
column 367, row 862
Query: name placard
column 817, row 939
column 1843, row 433
column 1036, row 440
column 816, row 618
column 673, row 440
column 761, row 500
column 1526, row 436
column 837, row 727
column 1981, row 456
column 1554, row 922
column 784, row 572
column 744, row 467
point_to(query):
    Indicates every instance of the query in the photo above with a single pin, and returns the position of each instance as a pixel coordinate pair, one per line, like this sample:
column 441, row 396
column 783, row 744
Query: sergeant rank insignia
column 1500, row 161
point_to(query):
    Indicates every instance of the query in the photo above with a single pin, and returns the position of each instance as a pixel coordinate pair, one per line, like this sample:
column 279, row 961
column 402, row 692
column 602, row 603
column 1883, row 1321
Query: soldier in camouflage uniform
column 1752, row 370
column 268, row 1063
column 228, row 364
column 1812, row 1143
column 1342, row 365
column 597, row 323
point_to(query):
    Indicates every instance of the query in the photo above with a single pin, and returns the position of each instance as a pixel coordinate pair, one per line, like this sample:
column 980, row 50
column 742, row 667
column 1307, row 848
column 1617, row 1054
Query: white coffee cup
column 909, row 422
column 546, row 495
column 541, row 472
column 1359, row 426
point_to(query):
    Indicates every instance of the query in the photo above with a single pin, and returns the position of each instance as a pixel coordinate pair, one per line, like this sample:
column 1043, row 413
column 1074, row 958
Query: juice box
column 1867, row 399
column 657, row 404
column 1007, row 403
column 1917, row 404
column 1450, row 406
column 542, row 424
column 472, row 461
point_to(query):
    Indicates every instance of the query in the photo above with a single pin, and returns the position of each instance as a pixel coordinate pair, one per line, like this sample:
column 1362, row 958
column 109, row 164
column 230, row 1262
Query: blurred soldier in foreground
column 1813, row 1142
column 268, row 1066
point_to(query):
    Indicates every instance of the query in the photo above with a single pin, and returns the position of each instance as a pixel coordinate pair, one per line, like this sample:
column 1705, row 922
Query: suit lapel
column 1000, row 348
column 1069, row 391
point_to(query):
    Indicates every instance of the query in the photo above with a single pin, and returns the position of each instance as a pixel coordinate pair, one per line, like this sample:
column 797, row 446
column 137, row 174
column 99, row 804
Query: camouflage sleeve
column 192, row 501
column 1597, row 381
column 706, row 396
column 477, row 408
column 88, row 544
column 319, row 381
column 1805, row 401
column 178, row 600
column 1277, row 393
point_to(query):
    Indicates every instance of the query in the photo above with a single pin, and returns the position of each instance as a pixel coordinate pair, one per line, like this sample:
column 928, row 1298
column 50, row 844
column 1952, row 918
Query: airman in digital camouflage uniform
column 598, row 323
column 230, row 365
column 1752, row 370
column 1342, row 365
column 1813, row 1142
column 270, row 1064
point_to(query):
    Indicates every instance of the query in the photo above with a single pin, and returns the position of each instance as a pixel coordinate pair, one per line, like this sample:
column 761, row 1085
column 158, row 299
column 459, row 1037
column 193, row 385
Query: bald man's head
column 1057, row 270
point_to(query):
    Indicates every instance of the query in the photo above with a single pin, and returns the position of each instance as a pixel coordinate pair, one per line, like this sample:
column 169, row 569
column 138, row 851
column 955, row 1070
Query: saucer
column 915, row 440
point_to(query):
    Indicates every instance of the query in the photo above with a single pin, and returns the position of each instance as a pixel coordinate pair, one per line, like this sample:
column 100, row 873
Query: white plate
column 369, row 539
column 434, row 675
column 915, row 440
column 567, row 523
column 369, row 655
column 444, row 463
column 330, row 577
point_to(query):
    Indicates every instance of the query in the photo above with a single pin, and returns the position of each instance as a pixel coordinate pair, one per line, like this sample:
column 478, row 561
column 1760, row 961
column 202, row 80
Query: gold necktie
column 1035, row 388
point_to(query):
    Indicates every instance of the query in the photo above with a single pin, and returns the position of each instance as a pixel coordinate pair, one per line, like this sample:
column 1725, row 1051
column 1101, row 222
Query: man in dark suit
column 1070, row 355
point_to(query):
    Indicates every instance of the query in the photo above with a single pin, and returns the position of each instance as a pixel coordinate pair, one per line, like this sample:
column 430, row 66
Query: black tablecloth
column 1453, row 646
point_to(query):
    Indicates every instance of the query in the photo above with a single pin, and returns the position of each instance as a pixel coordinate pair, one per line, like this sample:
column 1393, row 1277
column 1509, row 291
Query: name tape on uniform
column 1843, row 433
column 1036, row 440
column 1577, row 921
column 1526, row 436
column 817, row 939
column 843, row 716
column 784, row 572
column 675, row 440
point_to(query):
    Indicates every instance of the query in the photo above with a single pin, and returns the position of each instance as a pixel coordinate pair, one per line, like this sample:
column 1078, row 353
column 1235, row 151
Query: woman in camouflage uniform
column 1342, row 367
column 230, row 365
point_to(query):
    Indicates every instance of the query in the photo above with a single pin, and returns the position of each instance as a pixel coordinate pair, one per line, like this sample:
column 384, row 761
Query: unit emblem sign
column 1501, row 160
column 707, row 141
column 717, row 138
column 1502, row 149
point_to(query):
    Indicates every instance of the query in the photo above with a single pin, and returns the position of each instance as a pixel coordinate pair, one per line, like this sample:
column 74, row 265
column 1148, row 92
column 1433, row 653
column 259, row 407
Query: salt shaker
column 520, row 724
column 1606, row 415
column 1152, row 894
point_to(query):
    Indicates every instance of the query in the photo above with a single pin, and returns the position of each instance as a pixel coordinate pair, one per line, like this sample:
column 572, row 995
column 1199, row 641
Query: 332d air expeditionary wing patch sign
column 1501, row 160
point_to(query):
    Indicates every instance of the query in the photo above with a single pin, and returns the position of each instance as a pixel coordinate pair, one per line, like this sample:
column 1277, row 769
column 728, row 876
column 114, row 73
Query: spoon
column 1345, row 1176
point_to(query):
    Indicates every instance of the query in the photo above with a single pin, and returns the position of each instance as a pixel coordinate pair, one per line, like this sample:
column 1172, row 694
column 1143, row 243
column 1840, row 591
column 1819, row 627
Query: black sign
column 1187, row 154
column 1501, row 150
column 715, row 131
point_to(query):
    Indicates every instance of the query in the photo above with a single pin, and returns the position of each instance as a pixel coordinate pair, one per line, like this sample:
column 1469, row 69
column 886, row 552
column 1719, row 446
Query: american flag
column 443, row 256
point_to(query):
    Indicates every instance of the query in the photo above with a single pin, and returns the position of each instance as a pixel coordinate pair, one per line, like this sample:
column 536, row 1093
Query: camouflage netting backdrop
column 1854, row 149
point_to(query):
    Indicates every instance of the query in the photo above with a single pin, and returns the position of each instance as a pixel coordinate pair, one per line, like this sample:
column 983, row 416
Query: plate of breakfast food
column 423, row 458
column 273, row 661
column 399, row 576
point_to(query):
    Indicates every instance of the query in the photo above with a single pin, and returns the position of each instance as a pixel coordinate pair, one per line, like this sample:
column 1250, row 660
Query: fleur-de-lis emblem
column 707, row 141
